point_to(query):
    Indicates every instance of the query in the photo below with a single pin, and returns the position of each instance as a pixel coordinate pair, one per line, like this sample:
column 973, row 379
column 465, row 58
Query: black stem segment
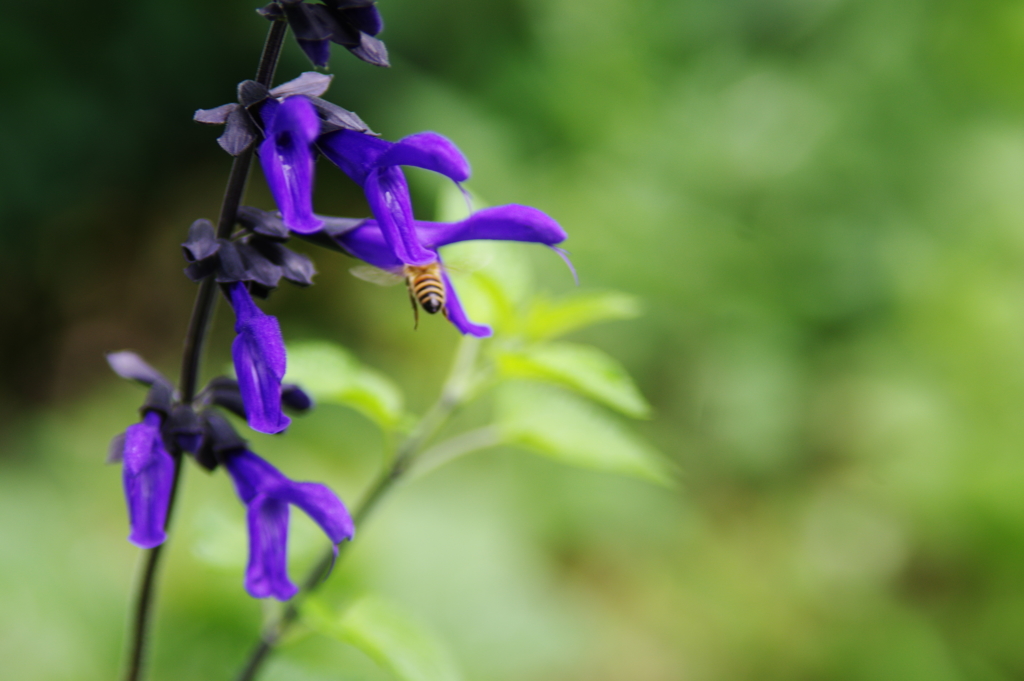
column 195, row 340
column 453, row 395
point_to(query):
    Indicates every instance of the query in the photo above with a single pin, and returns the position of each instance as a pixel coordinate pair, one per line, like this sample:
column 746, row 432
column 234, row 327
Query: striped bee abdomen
column 426, row 286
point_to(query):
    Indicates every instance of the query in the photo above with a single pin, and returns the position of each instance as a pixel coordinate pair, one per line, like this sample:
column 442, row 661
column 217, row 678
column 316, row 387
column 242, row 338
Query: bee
column 426, row 287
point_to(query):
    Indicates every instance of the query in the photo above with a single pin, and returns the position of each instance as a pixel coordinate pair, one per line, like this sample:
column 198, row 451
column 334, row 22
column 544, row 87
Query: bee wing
column 376, row 275
column 467, row 262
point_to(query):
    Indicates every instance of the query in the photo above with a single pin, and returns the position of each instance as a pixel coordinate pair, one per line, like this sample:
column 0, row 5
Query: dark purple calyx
column 350, row 23
column 259, row 258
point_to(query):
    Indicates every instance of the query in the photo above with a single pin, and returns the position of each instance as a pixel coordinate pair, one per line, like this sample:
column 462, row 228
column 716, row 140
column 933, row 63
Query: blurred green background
column 817, row 201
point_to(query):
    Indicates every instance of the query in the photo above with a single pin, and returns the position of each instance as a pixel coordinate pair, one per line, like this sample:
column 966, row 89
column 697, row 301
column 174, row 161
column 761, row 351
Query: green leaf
column 582, row 368
column 332, row 374
column 556, row 424
column 394, row 640
column 552, row 318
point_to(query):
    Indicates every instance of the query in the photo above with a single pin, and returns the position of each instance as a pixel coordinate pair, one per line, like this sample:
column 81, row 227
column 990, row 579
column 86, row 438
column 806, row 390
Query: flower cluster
column 290, row 126
column 148, row 466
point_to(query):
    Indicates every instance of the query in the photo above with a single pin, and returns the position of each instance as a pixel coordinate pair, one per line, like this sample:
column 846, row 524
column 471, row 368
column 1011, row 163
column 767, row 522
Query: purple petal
column 259, row 355
column 148, row 476
column 321, row 504
column 354, row 152
column 367, row 243
column 428, row 150
column 254, row 477
column 457, row 316
column 267, row 493
column 388, row 195
column 287, row 158
column 500, row 223
column 267, row 571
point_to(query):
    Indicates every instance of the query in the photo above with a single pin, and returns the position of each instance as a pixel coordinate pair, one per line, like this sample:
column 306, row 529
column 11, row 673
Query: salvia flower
column 147, row 466
column 367, row 241
column 374, row 163
column 148, row 473
column 267, row 494
column 259, row 356
column 287, row 159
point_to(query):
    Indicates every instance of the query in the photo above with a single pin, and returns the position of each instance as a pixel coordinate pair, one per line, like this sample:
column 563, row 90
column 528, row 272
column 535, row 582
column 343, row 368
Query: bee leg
column 415, row 311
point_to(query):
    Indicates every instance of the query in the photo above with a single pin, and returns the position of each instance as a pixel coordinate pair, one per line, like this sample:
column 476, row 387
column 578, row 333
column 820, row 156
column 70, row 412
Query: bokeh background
column 819, row 204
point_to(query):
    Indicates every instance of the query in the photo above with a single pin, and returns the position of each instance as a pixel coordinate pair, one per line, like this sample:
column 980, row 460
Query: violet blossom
column 148, row 474
column 267, row 493
column 259, row 356
column 368, row 242
column 287, row 158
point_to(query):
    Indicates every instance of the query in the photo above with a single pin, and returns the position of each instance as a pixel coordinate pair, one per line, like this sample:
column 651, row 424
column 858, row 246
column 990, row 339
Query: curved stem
column 456, row 389
column 199, row 324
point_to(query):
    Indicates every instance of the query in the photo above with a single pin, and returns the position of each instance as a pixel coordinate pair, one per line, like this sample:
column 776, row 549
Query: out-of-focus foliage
column 387, row 635
column 332, row 375
column 818, row 205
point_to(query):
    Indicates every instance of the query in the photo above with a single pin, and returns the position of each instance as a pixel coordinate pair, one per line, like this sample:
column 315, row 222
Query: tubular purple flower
column 287, row 159
column 148, row 472
column 267, row 494
column 513, row 222
column 373, row 164
column 260, row 361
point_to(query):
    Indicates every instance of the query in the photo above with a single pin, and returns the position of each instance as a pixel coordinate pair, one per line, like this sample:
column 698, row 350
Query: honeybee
column 426, row 287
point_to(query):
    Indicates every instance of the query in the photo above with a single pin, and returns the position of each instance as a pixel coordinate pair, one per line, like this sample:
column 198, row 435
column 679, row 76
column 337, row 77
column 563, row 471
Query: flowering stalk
column 202, row 313
column 454, row 393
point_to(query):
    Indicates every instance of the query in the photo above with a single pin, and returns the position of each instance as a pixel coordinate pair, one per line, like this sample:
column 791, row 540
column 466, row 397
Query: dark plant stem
column 195, row 340
column 453, row 395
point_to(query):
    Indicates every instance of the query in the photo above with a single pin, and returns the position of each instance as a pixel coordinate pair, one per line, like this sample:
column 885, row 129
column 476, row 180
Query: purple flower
column 287, row 159
column 267, row 494
column 369, row 243
column 148, row 472
column 259, row 356
column 373, row 164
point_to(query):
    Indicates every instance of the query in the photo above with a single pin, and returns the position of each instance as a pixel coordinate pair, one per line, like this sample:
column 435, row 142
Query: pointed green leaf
column 552, row 318
column 332, row 374
column 385, row 633
column 554, row 423
column 582, row 368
